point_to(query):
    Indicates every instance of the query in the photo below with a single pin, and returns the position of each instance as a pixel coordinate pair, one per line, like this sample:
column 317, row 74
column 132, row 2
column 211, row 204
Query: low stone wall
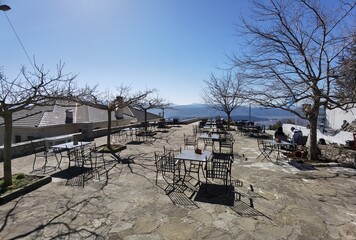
column 25, row 148
column 338, row 154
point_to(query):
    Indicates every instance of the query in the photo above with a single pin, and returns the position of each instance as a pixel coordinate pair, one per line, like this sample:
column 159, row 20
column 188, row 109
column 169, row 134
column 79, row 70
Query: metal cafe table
column 68, row 146
column 195, row 158
column 277, row 145
column 209, row 139
column 50, row 141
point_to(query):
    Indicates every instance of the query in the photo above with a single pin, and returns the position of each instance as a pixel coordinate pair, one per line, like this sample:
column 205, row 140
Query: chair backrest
column 189, row 140
column 219, row 166
column 165, row 162
column 85, row 150
column 37, row 149
column 173, row 152
column 227, row 147
column 263, row 145
column 226, row 137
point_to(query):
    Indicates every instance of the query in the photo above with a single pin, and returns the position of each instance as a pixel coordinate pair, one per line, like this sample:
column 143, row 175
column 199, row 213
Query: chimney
column 69, row 116
column 119, row 112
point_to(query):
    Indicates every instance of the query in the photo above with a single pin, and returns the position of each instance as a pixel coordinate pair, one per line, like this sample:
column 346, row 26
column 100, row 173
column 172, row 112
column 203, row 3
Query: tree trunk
column 146, row 123
column 228, row 120
column 313, row 153
column 108, row 139
column 7, row 149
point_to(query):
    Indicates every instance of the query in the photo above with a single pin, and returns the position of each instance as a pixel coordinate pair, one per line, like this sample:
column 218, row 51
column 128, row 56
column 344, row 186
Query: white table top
column 274, row 142
column 209, row 126
column 70, row 145
column 130, row 129
column 213, row 136
column 190, row 155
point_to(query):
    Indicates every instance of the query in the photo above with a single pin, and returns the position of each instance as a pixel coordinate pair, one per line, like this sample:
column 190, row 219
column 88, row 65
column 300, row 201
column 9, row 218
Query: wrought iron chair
column 81, row 157
column 226, row 144
column 166, row 163
column 173, row 152
column 190, row 141
column 42, row 152
column 219, row 168
column 99, row 160
column 265, row 149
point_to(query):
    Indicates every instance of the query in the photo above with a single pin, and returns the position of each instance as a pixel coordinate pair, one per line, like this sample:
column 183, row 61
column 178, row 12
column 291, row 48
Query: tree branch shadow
column 65, row 229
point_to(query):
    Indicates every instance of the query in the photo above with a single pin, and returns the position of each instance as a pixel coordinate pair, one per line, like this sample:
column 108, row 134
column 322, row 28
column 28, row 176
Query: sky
column 169, row 45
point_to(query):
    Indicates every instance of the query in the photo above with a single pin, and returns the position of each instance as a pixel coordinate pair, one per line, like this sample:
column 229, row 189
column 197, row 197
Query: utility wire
column 18, row 38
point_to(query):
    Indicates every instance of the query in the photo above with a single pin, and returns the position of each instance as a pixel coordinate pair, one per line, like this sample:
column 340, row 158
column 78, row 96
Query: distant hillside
column 241, row 113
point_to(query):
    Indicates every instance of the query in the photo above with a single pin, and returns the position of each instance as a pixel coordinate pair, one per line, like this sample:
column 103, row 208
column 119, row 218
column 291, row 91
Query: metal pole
column 249, row 113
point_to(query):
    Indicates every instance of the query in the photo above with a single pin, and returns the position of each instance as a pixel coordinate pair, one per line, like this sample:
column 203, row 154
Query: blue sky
column 170, row 45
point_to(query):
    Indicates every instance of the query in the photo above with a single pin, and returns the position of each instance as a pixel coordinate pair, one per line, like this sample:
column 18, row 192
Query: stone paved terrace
column 276, row 201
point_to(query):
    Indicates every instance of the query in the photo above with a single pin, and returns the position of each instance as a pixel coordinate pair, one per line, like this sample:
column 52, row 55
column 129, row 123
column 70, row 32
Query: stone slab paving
column 284, row 200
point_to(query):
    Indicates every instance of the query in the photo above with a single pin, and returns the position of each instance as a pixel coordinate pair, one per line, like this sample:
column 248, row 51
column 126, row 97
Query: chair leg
column 33, row 165
column 82, row 171
column 156, row 177
column 45, row 163
column 58, row 161
column 96, row 167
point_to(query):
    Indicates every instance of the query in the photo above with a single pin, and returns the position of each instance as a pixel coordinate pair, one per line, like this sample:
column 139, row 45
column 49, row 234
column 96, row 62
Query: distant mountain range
column 258, row 114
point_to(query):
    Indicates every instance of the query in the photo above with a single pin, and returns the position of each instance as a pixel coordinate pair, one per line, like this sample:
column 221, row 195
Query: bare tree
column 28, row 90
column 150, row 101
column 346, row 74
column 110, row 101
column 292, row 49
column 223, row 94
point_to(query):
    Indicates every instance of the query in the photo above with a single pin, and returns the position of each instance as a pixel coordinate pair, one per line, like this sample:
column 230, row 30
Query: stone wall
column 338, row 154
column 25, row 148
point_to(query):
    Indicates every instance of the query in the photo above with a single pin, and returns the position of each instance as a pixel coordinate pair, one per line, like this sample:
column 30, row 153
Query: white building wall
column 339, row 138
column 336, row 117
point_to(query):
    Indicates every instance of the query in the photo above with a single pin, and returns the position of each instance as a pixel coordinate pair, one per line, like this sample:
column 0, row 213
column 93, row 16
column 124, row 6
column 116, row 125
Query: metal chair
column 166, row 163
column 42, row 152
column 265, row 149
column 173, row 152
column 226, row 144
column 98, row 158
column 219, row 167
column 81, row 157
column 190, row 141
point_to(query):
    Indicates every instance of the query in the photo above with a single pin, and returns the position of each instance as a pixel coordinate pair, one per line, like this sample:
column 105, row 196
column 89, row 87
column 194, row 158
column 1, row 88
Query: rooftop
column 269, row 200
column 42, row 116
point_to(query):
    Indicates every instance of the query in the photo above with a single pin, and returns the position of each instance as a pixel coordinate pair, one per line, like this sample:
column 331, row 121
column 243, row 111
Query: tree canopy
column 291, row 53
column 223, row 93
column 27, row 90
column 346, row 75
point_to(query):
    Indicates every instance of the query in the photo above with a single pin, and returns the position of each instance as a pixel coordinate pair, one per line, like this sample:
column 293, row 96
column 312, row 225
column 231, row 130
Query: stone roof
column 140, row 115
column 41, row 116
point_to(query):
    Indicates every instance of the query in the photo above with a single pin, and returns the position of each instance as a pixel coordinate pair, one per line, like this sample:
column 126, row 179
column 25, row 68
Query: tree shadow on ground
column 9, row 213
column 135, row 142
column 63, row 223
column 302, row 166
